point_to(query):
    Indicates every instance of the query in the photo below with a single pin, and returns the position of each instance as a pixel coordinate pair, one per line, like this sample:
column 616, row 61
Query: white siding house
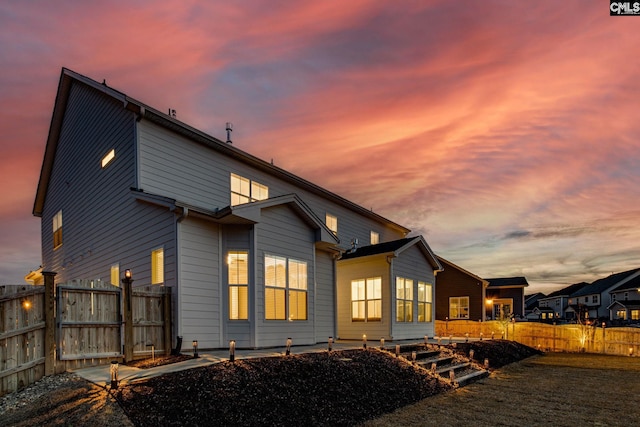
column 251, row 252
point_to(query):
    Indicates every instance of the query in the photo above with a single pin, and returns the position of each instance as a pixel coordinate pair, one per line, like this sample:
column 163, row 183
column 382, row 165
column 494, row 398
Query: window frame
column 157, row 266
column 368, row 301
column 331, row 221
column 404, row 299
column 238, row 288
column 243, row 190
column 286, row 288
column 57, row 229
column 459, row 306
column 425, row 305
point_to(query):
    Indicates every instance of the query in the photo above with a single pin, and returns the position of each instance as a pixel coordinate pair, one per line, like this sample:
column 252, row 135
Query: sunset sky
column 506, row 132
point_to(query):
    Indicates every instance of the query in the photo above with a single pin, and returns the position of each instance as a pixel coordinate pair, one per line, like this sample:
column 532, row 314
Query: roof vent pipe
column 229, row 130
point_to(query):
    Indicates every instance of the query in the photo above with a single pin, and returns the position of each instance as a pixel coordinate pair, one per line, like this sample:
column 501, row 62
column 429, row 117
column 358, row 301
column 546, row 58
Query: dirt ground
column 556, row 389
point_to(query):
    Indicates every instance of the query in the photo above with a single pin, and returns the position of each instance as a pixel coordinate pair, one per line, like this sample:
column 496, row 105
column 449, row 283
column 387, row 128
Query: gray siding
column 411, row 264
column 325, row 296
column 102, row 223
column 200, row 291
column 362, row 268
column 238, row 238
column 281, row 232
column 173, row 166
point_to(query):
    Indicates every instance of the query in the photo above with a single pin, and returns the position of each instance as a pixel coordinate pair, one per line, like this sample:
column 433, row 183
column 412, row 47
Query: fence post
column 166, row 302
column 128, row 317
column 49, row 323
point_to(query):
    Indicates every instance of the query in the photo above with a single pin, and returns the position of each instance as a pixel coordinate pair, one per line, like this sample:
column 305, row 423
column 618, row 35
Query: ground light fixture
column 232, row 351
column 195, row 349
column 364, row 341
column 381, row 343
column 426, row 339
column 330, row 343
column 113, row 372
column 288, row 350
column 397, row 350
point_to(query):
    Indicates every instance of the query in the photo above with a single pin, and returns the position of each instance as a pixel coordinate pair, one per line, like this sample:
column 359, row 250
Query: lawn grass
column 556, row 389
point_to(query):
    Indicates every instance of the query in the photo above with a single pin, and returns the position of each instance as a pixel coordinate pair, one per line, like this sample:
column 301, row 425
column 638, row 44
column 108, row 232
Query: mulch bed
column 498, row 352
column 339, row 388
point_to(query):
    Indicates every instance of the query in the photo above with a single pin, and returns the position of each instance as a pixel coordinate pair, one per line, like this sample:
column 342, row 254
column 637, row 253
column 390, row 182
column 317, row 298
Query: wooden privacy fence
column 566, row 337
column 50, row 329
column 22, row 329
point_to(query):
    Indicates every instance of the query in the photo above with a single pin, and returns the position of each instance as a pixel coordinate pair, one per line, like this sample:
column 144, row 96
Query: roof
column 395, row 247
column 568, row 290
column 630, row 285
column 507, row 282
column 628, row 304
column 457, row 267
column 602, row 285
column 68, row 78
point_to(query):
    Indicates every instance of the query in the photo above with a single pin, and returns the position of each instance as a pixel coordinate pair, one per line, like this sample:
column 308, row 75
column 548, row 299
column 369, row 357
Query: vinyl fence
column 52, row 328
column 566, row 337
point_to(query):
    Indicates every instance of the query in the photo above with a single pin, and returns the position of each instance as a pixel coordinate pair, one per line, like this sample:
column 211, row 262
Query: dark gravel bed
column 341, row 388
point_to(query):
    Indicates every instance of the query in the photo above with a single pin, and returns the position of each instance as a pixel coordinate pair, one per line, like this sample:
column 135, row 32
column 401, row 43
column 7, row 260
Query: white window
column 404, row 299
column 375, row 238
column 238, row 272
column 57, row 230
column 366, row 299
column 458, row 307
column 332, row 223
column 108, row 158
column 286, row 288
column 157, row 266
column 115, row 274
column 425, row 302
column 243, row 190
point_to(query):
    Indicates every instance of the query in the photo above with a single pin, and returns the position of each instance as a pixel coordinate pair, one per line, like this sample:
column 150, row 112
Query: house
column 540, row 314
column 460, row 294
column 625, row 302
column 367, row 274
column 558, row 301
column 250, row 251
column 592, row 301
column 531, row 301
column 505, row 297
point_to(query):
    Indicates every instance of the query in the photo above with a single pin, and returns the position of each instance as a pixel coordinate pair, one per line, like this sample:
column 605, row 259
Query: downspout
column 391, row 296
column 178, row 306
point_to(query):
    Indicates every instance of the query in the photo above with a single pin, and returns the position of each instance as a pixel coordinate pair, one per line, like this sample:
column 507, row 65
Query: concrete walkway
column 100, row 375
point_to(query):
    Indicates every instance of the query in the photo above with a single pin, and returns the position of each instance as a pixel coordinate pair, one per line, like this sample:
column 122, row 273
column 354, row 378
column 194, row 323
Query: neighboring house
column 460, row 294
column 625, row 302
column 593, row 301
column 505, row 297
column 540, row 314
column 531, row 301
column 250, row 251
column 558, row 301
column 367, row 274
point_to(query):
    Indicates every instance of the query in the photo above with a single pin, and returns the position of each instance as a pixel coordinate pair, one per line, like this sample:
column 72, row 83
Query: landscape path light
column 330, row 343
column 195, row 349
column 397, row 350
column 288, row 350
column 364, row 341
column 113, row 371
column 232, row 351
column 381, row 343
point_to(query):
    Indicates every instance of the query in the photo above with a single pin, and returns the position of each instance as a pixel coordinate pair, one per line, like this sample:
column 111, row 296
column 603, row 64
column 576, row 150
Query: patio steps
column 442, row 362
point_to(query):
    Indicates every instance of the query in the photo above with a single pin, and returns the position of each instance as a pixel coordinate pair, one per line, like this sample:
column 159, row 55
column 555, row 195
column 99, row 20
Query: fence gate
column 89, row 320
